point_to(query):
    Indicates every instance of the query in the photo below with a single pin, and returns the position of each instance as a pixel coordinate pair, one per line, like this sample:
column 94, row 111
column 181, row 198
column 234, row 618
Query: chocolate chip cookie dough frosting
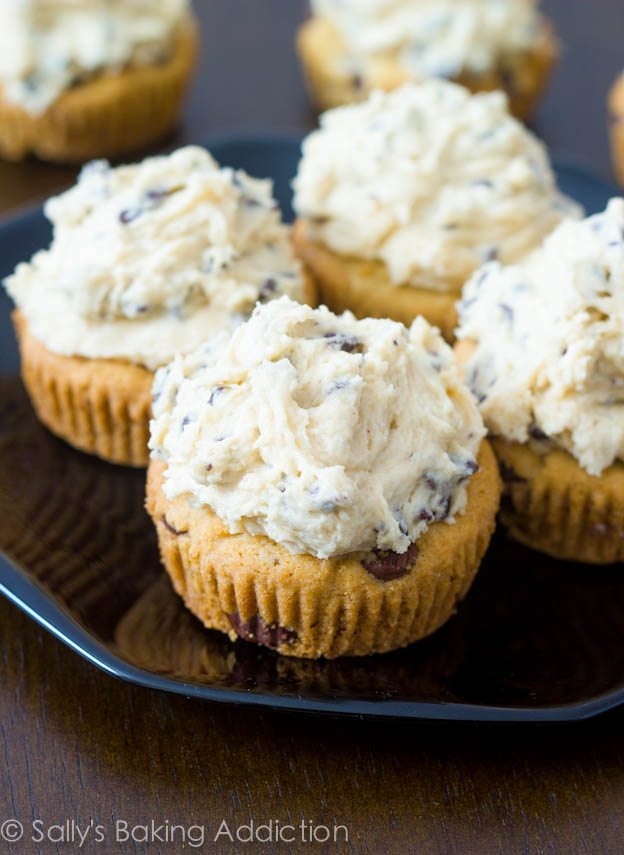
column 82, row 79
column 146, row 261
column 349, row 48
column 430, row 181
column 546, row 362
column 47, row 46
column 549, row 359
column 326, row 434
column 152, row 259
column 434, row 38
column 320, row 485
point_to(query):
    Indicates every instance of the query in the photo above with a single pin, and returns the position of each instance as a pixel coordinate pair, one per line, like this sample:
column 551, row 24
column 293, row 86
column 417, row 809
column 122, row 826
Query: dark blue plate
column 536, row 640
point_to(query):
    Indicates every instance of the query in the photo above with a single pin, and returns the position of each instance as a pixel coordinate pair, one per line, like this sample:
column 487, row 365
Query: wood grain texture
column 77, row 744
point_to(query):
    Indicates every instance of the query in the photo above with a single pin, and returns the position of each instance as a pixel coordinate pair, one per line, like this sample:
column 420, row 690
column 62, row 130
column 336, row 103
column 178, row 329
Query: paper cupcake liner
column 253, row 588
column 363, row 287
column 326, row 69
column 553, row 506
column 99, row 406
column 158, row 633
column 109, row 116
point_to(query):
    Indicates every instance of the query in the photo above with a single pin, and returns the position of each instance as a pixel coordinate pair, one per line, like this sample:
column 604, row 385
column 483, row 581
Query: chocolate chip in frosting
column 128, row 215
column 156, row 195
column 467, row 467
column 214, row 395
column 444, row 508
column 269, row 286
column 256, row 629
column 508, row 312
column 474, row 385
column 338, row 386
column 345, row 343
column 387, row 566
column 401, row 521
column 490, row 253
column 435, row 359
column 431, row 482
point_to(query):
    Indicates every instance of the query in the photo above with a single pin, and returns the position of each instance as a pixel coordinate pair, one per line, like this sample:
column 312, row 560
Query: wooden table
column 78, row 745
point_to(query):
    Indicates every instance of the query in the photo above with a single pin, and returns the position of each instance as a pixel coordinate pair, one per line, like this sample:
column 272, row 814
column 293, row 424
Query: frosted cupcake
column 91, row 78
column 320, row 485
column 351, row 47
column 147, row 261
column 543, row 353
column 400, row 199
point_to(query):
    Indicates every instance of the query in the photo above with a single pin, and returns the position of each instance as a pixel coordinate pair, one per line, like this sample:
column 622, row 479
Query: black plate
column 536, row 640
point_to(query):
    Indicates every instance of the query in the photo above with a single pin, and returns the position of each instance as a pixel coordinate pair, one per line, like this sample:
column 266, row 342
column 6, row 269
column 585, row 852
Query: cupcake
column 616, row 126
column 400, row 199
column 320, row 485
column 541, row 344
column 92, row 78
column 147, row 261
column 349, row 48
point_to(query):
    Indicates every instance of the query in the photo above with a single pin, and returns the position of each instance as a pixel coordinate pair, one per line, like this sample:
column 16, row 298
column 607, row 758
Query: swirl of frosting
column 150, row 259
column 549, row 361
column 435, row 37
column 47, row 46
column 326, row 434
column 429, row 180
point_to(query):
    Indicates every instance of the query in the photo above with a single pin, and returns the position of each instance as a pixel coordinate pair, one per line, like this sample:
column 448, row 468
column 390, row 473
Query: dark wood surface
column 77, row 745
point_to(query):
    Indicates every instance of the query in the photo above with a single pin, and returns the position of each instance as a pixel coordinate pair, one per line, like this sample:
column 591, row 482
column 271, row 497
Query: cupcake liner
column 554, row 506
column 363, row 288
column 99, row 406
column 158, row 633
column 253, row 588
column 325, row 63
column 616, row 127
column 109, row 116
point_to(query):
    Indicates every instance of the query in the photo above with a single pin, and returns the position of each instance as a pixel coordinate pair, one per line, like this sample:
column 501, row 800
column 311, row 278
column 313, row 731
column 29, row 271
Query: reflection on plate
column 535, row 640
